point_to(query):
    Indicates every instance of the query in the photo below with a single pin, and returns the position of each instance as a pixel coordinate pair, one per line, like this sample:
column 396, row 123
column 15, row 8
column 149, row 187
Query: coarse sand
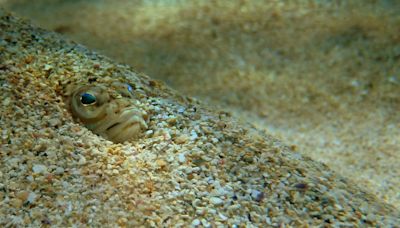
column 197, row 166
column 323, row 76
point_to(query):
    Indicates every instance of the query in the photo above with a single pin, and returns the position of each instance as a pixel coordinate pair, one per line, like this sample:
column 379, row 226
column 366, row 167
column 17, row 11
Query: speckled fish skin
column 114, row 115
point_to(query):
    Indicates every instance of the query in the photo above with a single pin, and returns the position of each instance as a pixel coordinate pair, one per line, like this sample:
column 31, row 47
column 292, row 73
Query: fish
column 109, row 110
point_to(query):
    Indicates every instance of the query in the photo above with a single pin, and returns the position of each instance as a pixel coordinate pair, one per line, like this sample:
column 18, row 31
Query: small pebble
column 48, row 67
column 205, row 223
column 31, row 197
column 181, row 158
column 161, row 163
column 82, row 160
column 30, row 178
column 216, row 201
column 59, row 170
column 55, row 122
column 181, row 139
column 257, row 195
column 223, row 217
column 6, row 101
column 181, row 110
column 196, row 222
column 193, row 135
column 23, row 195
column 39, row 169
column 17, row 203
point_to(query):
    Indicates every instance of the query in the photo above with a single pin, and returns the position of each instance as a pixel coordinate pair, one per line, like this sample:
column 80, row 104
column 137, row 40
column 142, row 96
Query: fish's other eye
column 130, row 89
column 88, row 99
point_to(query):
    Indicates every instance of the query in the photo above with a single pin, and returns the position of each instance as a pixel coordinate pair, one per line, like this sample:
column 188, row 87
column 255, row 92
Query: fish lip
column 127, row 118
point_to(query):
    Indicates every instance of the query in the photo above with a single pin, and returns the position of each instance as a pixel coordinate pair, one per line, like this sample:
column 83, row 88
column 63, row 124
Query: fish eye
column 88, row 99
column 130, row 89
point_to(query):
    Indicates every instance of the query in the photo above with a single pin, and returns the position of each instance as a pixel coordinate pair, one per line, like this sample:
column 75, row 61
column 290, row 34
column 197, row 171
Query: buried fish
column 110, row 111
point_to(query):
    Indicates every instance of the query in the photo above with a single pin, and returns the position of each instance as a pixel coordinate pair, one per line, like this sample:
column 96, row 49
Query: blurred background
column 323, row 76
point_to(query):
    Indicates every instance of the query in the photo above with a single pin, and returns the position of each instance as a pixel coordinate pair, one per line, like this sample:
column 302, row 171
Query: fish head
column 107, row 109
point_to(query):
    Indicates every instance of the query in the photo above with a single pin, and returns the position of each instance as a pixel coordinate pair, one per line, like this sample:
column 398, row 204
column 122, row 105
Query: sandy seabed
column 324, row 78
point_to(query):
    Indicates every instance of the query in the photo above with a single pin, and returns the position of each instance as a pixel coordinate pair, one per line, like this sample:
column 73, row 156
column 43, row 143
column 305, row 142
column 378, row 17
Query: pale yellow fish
column 109, row 110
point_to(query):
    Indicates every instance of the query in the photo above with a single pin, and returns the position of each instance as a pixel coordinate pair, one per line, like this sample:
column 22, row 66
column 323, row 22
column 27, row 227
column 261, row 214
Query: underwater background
column 323, row 76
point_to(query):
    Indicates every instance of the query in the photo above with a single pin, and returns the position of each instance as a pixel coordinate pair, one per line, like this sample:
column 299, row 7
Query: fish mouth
column 120, row 125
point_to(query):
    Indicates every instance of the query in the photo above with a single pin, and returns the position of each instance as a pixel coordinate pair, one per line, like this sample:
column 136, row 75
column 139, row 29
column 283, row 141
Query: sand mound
column 323, row 76
column 194, row 166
